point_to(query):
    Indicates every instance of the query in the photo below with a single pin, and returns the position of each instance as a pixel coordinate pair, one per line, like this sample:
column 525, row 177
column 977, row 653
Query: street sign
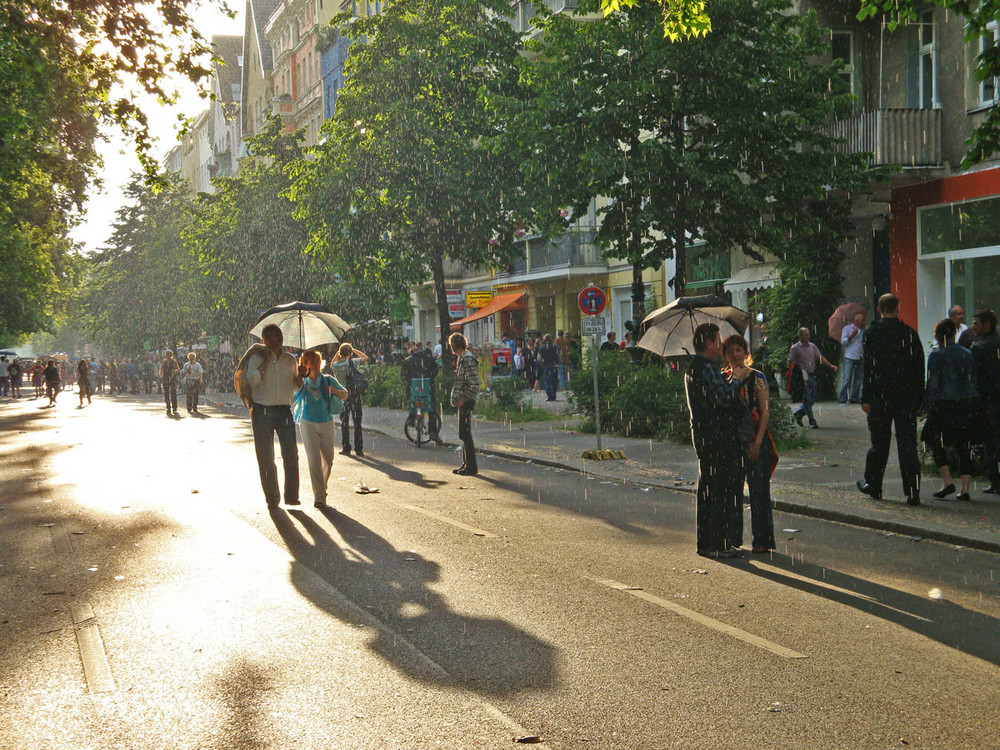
column 592, row 301
column 478, row 299
column 593, row 326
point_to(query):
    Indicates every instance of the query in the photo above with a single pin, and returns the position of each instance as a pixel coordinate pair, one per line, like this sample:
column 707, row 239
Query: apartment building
column 227, row 75
column 932, row 235
column 292, row 32
column 257, row 89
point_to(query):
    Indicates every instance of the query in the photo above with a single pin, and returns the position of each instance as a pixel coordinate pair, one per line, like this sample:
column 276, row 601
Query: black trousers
column 191, row 391
column 720, row 499
column 353, row 409
column 465, row 435
column 170, row 394
column 991, row 441
column 881, row 420
column 267, row 420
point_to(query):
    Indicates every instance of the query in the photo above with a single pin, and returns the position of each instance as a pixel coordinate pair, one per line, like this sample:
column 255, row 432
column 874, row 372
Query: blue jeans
column 808, row 399
column 854, row 370
column 563, row 376
column 759, row 484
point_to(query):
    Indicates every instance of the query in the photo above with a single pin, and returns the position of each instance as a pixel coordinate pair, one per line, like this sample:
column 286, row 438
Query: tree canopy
column 402, row 182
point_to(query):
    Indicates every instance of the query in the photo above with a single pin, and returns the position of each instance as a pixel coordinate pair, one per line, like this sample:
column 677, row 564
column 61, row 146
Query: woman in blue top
column 316, row 403
column 950, row 404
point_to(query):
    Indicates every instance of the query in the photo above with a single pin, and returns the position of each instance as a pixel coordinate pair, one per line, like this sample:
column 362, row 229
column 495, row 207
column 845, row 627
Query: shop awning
column 501, row 302
column 746, row 279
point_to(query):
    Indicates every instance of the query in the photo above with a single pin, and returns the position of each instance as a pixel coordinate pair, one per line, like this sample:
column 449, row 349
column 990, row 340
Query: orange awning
column 499, row 303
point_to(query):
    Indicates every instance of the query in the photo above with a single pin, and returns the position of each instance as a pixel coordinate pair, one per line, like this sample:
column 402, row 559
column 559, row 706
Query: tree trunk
column 680, row 245
column 638, row 300
column 444, row 316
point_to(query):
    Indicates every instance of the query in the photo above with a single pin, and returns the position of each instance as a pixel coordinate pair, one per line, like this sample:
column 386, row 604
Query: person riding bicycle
column 420, row 363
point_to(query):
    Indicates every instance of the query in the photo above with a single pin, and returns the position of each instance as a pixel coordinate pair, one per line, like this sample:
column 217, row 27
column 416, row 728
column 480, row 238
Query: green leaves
column 681, row 19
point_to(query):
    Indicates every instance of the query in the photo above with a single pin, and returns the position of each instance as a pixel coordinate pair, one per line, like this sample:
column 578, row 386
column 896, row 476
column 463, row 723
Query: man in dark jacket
column 420, row 363
column 891, row 396
column 717, row 413
column 548, row 357
column 986, row 352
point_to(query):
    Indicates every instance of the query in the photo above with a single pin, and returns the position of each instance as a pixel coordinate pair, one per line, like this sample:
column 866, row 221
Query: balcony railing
column 573, row 248
column 904, row 137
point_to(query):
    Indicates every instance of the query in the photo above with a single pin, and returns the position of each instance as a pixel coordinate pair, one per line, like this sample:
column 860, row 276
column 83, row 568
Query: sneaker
column 360, row 453
column 345, row 452
column 993, row 489
column 459, row 470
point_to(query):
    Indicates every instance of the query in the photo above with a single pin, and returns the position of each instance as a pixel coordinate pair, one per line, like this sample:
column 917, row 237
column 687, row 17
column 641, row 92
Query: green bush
column 649, row 400
column 386, row 388
column 507, row 392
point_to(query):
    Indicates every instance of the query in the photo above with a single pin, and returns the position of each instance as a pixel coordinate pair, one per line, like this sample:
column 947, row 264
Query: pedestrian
column 891, row 396
column 194, row 377
column 102, row 373
column 83, row 380
column 719, row 430
column 273, row 377
column 610, row 345
column 761, row 456
column 168, row 374
column 37, row 373
column 420, row 363
column 808, row 357
column 548, row 358
column 4, row 376
column 317, row 402
column 344, row 367
column 951, row 401
column 562, row 344
column 53, row 381
column 957, row 316
column 463, row 398
column 15, row 373
column 986, row 353
column 852, row 338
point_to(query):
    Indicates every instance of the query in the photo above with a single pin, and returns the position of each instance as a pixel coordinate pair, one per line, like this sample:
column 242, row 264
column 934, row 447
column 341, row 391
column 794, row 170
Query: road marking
column 95, row 660
column 753, row 640
column 445, row 519
column 60, row 539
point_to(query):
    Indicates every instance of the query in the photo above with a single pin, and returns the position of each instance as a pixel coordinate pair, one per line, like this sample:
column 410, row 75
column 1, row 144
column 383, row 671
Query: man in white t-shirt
column 4, row 376
column 193, row 375
column 438, row 348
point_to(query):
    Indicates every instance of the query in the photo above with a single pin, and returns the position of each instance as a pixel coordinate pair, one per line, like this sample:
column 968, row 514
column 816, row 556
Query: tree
column 679, row 18
column 402, row 183
column 249, row 247
column 716, row 138
column 978, row 14
column 143, row 289
column 66, row 67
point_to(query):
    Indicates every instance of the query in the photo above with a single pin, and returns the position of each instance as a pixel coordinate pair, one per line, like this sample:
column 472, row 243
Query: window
column 988, row 88
column 842, row 49
column 959, row 226
column 927, row 53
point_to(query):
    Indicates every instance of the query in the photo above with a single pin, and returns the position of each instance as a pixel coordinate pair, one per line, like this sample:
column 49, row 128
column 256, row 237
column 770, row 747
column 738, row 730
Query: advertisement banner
column 478, row 299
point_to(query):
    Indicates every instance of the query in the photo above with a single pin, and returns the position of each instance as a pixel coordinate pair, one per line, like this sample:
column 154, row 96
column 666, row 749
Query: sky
column 119, row 155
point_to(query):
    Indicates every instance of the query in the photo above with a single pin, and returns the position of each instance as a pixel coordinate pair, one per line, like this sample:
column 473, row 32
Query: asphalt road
column 149, row 599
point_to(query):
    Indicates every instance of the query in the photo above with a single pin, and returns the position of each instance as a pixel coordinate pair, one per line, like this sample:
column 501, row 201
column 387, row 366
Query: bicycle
column 416, row 425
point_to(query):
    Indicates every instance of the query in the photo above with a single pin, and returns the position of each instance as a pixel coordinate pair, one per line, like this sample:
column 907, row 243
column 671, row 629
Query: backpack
column 240, row 382
column 357, row 383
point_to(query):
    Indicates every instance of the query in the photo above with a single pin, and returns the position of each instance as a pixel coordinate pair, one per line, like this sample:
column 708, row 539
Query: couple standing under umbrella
column 275, row 378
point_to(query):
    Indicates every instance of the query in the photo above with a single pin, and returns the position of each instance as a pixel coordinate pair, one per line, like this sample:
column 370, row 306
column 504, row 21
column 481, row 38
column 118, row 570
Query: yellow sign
column 478, row 299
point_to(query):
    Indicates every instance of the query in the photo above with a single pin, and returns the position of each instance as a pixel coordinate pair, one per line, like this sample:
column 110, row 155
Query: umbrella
column 669, row 330
column 304, row 324
column 841, row 317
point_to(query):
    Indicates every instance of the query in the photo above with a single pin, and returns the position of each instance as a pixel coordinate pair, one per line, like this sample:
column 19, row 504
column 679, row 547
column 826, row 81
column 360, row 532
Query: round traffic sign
column 592, row 301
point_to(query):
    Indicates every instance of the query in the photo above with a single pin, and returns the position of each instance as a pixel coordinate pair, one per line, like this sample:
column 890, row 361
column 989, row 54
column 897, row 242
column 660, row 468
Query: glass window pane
column 840, row 46
column 926, row 81
column 960, row 226
column 975, row 283
column 927, row 28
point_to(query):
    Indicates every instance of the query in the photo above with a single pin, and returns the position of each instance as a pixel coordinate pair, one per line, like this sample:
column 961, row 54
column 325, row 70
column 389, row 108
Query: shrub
column 507, row 392
column 386, row 388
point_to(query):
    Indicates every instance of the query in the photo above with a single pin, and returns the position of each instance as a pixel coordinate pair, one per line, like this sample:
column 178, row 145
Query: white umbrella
column 304, row 325
column 669, row 331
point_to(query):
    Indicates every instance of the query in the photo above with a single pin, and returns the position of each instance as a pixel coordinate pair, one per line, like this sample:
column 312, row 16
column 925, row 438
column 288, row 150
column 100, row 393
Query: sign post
column 592, row 302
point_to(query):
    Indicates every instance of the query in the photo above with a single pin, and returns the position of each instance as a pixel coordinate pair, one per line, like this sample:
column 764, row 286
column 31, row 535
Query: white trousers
column 318, row 440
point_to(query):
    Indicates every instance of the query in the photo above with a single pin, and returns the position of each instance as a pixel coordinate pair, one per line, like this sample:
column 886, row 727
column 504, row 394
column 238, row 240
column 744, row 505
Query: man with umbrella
column 274, row 377
column 718, row 416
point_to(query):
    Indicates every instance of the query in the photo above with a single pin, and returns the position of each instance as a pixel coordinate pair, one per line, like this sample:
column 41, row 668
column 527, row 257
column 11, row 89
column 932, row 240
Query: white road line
column 95, row 660
column 753, row 640
column 445, row 519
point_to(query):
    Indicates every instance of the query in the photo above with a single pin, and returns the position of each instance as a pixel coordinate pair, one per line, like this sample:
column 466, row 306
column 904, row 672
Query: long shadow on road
column 487, row 655
column 944, row 621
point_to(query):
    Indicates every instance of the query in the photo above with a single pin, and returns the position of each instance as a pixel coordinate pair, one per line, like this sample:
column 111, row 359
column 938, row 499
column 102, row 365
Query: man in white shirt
column 4, row 376
column 957, row 316
column 193, row 374
column 854, row 357
column 273, row 379
column 438, row 348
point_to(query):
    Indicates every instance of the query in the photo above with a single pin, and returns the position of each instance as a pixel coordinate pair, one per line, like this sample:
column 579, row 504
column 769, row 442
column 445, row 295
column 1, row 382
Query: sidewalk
column 818, row 481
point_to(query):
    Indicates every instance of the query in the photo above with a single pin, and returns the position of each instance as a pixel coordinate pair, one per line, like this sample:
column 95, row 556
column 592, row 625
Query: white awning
column 746, row 279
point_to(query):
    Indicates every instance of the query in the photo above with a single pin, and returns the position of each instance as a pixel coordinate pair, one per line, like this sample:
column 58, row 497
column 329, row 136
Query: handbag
column 333, row 402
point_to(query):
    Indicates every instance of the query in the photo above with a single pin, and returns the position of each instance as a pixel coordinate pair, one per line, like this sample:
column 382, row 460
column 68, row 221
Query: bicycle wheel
column 410, row 428
column 415, row 428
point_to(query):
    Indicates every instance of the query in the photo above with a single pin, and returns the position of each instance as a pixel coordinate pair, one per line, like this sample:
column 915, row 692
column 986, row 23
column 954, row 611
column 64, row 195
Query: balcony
column 904, row 137
column 573, row 248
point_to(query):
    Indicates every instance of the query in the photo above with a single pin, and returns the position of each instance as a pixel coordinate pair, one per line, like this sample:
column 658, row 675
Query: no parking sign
column 592, row 300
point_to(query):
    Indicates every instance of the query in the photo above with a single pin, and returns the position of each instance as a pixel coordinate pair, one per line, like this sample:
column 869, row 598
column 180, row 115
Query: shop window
column 960, row 226
column 975, row 282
